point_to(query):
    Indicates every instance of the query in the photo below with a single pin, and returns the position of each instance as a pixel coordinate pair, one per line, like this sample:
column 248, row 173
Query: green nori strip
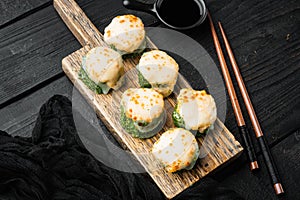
column 130, row 126
column 142, row 81
column 134, row 54
column 179, row 122
column 83, row 76
column 177, row 119
column 198, row 134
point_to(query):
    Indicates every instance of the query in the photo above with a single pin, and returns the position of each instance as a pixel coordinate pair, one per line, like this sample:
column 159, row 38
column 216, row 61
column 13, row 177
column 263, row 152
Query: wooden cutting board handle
column 78, row 23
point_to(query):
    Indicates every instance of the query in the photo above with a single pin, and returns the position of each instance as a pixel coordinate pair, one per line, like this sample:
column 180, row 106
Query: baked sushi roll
column 176, row 149
column 195, row 111
column 159, row 71
column 101, row 70
column 126, row 34
column 142, row 112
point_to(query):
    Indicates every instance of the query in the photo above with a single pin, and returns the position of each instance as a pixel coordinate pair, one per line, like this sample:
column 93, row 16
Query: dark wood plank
column 21, row 115
column 264, row 37
column 11, row 10
column 32, row 48
column 14, row 10
column 258, row 186
column 266, row 48
column 30, row 52
column 236, row 176
column 170, row 184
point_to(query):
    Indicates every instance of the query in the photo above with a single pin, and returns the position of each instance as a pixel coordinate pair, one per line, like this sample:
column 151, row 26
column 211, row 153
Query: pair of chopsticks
column 269, row 161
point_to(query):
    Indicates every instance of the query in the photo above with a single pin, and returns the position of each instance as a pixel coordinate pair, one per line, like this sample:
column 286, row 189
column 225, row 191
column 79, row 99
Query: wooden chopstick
column 248, row 145
column 271, row 166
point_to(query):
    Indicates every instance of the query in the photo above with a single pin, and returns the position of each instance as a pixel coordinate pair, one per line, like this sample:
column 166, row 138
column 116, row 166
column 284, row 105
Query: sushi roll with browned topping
column 142, row 112
column 126, row 34
column 159, row 71
column 195, row 111
column 176, row 149
column 102, row 69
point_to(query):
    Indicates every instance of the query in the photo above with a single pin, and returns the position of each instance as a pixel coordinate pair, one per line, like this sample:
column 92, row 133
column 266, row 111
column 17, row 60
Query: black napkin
column 53, row 164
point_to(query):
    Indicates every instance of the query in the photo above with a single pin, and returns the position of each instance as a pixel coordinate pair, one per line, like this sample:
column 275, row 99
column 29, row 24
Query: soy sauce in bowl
column 176, row 14
column 179, row 13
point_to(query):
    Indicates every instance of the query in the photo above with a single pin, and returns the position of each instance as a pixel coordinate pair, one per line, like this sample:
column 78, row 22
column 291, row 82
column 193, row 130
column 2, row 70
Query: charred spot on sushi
column 159, row 71
column 140, row 117
column 176, row 149
column 195, row 111
column 126, row 34
column 101, row 70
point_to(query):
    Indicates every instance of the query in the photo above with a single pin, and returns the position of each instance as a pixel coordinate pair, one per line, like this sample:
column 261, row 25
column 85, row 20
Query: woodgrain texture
column 31, row 50
column 257, row 186
column 20, row 117
column 13, row 10
column 218, row 147
column 81, row 27
column 265, row 39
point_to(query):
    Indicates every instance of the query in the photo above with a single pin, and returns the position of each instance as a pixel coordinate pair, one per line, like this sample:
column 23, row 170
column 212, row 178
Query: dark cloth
column 53, row 164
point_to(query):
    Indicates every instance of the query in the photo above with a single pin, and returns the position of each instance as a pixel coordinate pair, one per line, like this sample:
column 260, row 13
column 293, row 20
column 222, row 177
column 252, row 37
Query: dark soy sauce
column 179, row 13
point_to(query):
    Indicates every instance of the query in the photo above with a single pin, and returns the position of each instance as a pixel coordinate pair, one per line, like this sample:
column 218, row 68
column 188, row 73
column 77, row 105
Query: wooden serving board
column 220, row 144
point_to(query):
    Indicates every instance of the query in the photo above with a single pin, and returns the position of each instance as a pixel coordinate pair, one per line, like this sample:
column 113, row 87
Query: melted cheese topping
column 125, row 32
column 142, row 104
column 159, row 68
column 197, row 108
column 176, row 149
column 104, row 65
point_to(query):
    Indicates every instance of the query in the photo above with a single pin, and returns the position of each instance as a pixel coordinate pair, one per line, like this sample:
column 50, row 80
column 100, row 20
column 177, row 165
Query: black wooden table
column 265, row 36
